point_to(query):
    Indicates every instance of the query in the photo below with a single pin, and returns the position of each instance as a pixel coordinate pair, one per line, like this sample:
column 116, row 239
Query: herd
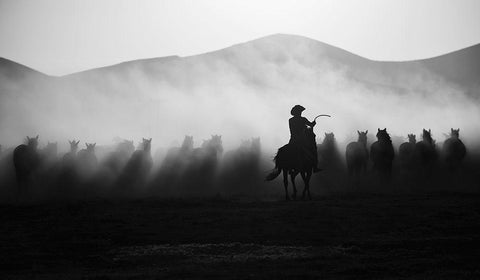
column 189, row 169
column 417, row 158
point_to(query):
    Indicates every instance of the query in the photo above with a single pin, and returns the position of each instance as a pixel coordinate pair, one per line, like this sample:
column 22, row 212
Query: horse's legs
column 292, row 177
column 285, row 183
column 309, row 176
column 305, row 185
column 306, row 179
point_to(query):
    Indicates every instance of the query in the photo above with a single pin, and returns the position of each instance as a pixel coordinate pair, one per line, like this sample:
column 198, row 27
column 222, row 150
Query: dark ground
column 356, row 236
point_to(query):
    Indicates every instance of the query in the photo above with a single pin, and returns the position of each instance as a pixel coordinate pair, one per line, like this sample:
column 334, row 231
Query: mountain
column 460, row 67
column 241, row 91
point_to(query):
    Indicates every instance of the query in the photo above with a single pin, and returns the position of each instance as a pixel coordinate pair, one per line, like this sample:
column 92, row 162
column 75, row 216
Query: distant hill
column 15, row 71
column 241, row 91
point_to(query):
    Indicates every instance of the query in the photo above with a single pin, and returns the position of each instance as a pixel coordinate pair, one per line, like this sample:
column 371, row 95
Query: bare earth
column 356, row 236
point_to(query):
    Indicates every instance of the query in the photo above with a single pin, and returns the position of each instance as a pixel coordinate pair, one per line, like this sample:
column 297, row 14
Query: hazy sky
column 61, row 37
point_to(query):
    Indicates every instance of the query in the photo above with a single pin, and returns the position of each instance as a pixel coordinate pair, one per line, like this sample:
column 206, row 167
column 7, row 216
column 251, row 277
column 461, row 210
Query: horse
column 241, row 167
column 202, row 167
column 178, row 156
column 137, row 170
column 290, row 160
column 68, row 176
column 406, row 152
column 357, row 156
column 382, row 154
column 26, row 161
column 117, row 159
column 69, row 158
column 426, row 154
column 87, row 161
column 454, row 150
column 328, row 151
column 173, row 167
column 49, row 153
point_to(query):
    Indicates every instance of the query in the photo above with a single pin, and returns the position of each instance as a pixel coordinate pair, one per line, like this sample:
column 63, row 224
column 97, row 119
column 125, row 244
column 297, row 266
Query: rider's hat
column 297, row 110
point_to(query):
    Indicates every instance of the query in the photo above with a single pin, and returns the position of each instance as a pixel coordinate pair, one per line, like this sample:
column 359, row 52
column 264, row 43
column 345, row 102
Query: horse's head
column 91, row 147
column 455, row 133
column 329, row 138
column 412, row 138
column 427, row 136
column 256, row 144
column 32, row 142
column 126, row 146
column 73, row 145
column 147, row 144
column 51, row 148
column 383, row 136
column 214, row 143
column 187, row 143
column 362, row 136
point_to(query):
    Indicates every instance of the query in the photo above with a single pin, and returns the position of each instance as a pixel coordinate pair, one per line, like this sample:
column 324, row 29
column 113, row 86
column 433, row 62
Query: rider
column 298, row 138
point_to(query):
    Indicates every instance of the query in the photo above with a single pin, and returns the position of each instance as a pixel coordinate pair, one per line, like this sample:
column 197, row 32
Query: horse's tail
column 276, row 171
column 274, row 174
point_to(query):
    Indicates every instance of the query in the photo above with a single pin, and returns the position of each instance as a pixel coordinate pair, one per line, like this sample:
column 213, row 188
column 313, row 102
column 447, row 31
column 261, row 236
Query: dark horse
column 382, row 154
column 287, row 160
column 357, row 156
column 406, row 152
column 454, row 150
column 426, row 154
column 26, row 161
column 137, row 170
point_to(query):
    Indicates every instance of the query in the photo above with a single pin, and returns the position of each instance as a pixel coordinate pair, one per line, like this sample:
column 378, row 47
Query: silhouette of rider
column 298, row 137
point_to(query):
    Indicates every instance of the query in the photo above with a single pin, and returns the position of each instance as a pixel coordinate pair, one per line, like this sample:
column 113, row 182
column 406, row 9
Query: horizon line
column 239, row 43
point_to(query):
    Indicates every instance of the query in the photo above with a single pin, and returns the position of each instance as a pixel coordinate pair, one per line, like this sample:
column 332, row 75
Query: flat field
column 349, row 236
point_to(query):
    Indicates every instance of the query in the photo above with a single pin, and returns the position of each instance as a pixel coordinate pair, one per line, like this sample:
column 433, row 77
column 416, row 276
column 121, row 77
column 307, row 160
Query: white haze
column 241, row 92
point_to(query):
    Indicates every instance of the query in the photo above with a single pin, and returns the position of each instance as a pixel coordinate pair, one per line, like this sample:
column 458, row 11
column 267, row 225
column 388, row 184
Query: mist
column 239, row 92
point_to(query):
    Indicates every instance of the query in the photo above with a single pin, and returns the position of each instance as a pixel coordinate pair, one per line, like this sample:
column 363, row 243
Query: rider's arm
column 307, row 122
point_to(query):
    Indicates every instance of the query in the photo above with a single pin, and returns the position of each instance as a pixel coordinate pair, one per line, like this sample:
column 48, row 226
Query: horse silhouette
column 406, row 152
column 426, row 154
column 49, row 154
column 328, row 151
column 135, row 174
column 69, row 158
column 116, row 160
column 357, row 156
column 287, row 161
column 241, row 167
column 202, row 168
column 454, row 150
column 87, row 161
column 382, row 154
column 68, row 176
column 173, row 167
column 26, row 161
column 177, row 157
column 49, row 165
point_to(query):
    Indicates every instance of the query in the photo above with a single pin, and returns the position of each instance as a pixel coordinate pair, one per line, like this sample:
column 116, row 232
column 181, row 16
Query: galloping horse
column 426, row 154
column 382, row 154
column 287, row 160
column 328, row 152
column 87, row 161
column 357, row 155
column 137, row 170
column 69, row 158
column 454, row 150
column 26, row 161
column 406, row 152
